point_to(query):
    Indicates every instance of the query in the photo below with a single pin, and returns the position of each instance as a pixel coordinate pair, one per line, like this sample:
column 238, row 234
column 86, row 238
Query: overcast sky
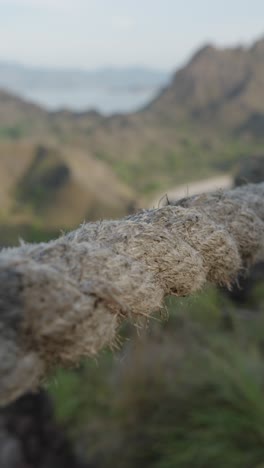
column 94, row 33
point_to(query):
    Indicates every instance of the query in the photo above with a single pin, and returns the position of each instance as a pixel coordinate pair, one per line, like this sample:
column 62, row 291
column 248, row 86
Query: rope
column 62, row 300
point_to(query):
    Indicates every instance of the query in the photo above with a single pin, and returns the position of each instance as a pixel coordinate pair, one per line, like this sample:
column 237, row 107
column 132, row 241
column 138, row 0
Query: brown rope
column 65, row 299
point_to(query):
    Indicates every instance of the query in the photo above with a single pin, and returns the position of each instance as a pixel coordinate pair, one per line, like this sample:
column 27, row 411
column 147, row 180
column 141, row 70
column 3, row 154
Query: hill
column 44, row 189
column 209, row 117
column 202, row 123
column 223, row 86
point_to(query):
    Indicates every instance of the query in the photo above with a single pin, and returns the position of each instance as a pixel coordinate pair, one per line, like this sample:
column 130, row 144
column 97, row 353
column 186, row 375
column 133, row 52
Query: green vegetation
column 186, row 393
column 46, row 174
column 13, row 133
column 11, row 234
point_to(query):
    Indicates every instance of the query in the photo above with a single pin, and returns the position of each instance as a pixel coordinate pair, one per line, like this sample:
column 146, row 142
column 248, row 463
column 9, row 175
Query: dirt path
column 184, row 190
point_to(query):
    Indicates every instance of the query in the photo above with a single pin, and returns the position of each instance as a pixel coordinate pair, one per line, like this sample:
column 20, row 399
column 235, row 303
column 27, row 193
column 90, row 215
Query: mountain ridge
column 214, row 78
column 207, row 118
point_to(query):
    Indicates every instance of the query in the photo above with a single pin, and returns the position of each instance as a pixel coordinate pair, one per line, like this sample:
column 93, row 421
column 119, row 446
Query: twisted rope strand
column 62, row 300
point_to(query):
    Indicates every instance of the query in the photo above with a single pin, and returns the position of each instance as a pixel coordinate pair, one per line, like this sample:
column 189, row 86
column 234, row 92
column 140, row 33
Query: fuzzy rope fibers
column 62, row 300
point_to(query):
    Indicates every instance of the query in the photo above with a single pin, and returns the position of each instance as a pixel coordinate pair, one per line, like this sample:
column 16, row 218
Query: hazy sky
column 92, row 33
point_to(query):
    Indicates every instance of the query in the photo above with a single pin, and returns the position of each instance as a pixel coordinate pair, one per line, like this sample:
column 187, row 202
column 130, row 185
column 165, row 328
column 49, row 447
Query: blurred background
column 106, row 107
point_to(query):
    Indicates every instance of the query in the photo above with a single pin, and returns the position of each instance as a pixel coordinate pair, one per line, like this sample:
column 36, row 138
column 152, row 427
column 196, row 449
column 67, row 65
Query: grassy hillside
column 44, row 189
column 217, row 86
column 209, row 117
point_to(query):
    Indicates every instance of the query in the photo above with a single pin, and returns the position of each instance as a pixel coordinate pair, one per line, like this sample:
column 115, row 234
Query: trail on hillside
column 193, row 188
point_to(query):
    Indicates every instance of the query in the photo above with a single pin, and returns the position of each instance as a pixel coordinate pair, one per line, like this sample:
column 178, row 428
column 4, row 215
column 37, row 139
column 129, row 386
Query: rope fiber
column 65, row 299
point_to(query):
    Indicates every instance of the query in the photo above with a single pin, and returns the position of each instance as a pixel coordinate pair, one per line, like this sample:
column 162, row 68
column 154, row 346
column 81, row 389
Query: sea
column 104, row 100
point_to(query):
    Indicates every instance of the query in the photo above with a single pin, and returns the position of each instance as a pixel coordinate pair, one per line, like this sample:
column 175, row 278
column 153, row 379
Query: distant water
column 106, row 101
